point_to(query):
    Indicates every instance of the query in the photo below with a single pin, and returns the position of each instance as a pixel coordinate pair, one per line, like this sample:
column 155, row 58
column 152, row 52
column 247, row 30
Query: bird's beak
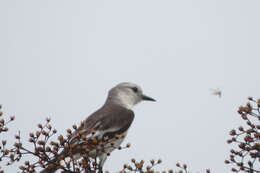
column 144, row 97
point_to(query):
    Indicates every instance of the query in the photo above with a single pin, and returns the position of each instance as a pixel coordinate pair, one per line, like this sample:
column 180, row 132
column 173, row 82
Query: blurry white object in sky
column 216, row 92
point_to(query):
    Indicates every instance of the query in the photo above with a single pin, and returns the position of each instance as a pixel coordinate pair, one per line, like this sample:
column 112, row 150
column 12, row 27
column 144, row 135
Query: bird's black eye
column 135, row 89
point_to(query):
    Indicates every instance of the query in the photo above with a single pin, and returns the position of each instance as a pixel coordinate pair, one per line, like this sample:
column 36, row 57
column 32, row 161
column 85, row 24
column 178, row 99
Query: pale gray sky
column 59, row 58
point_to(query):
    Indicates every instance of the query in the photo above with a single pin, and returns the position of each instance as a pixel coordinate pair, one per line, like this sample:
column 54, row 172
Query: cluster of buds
column 245, row 154
column 4, row 151
column 4, row 122
column 141, row 167
column 59, row 153
column 183, row 168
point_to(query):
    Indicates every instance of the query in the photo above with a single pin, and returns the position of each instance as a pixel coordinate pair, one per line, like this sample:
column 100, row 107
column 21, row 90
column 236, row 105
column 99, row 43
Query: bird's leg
column 100, row 170
column 100, row 167
column 102, row 160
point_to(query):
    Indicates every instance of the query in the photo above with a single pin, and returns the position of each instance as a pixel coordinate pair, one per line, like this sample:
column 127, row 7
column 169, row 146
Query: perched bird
column 112, row 119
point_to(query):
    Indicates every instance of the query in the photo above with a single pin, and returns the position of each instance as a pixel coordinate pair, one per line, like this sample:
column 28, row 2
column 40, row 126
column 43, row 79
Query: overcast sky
column 58, row 59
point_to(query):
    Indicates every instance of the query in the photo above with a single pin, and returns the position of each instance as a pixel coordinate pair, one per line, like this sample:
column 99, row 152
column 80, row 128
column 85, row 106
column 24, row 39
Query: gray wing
column 110, row 120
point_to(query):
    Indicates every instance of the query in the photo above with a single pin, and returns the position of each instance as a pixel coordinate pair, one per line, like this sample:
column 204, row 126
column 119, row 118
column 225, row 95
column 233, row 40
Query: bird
column 113, row 119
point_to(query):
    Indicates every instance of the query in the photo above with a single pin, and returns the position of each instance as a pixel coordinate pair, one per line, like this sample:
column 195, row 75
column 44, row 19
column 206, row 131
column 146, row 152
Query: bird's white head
column 127, row 94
